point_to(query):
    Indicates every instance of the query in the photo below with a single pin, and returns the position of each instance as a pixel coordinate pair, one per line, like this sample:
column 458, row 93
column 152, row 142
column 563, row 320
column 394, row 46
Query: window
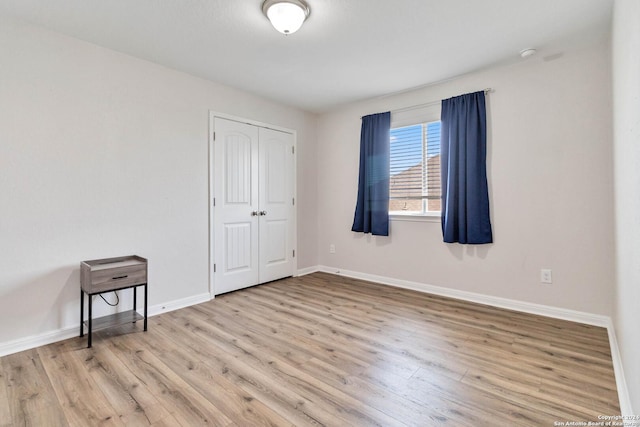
column 414, row 187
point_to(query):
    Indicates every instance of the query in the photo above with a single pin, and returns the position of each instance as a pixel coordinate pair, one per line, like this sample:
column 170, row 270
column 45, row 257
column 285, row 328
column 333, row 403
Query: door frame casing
column 211, row 192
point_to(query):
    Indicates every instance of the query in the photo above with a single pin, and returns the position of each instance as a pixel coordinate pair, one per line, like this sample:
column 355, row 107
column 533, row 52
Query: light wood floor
column 319, row 350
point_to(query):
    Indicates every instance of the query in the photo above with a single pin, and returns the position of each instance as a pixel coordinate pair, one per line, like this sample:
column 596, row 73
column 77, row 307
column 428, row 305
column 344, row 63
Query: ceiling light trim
column 302, row 4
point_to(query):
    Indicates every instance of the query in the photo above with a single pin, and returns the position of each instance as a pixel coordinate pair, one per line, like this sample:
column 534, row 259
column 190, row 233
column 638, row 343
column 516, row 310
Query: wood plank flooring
column 319, row 350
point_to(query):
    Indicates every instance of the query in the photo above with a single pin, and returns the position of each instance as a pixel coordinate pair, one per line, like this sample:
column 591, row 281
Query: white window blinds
column 415, row 169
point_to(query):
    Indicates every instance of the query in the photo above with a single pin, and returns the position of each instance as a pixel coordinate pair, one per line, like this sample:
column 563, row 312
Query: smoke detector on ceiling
column 525, row 53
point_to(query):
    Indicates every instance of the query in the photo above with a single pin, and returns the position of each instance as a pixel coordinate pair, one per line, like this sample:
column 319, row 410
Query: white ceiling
column 347, row 50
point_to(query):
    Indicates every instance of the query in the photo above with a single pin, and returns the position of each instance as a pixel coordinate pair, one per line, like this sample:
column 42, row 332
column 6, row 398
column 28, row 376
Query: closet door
column 236, row 220
column 277, row 224
column 254, row 212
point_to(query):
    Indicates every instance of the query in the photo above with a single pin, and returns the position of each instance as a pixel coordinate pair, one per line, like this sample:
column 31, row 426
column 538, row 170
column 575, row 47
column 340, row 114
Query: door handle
column 263, row 213
column 254, row 213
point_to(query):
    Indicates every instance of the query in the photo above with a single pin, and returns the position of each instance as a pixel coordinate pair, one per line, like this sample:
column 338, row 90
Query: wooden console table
column 108, row 275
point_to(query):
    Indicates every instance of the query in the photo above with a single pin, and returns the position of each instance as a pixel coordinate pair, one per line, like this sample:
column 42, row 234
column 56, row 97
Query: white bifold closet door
column 254, row 212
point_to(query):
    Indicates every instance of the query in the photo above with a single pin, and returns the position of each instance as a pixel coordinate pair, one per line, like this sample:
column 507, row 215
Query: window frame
column 424, row 216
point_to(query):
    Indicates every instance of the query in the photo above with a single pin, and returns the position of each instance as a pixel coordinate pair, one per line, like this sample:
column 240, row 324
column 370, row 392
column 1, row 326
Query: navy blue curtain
column 463, row 151
column 372, row 208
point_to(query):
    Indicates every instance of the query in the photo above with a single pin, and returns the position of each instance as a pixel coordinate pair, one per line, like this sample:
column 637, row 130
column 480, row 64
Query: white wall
column 101, row 155
column 626, row 111
column 550, row 179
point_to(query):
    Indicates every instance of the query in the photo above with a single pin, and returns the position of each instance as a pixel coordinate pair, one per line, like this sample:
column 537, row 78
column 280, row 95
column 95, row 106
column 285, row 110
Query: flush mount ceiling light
column 286, row 16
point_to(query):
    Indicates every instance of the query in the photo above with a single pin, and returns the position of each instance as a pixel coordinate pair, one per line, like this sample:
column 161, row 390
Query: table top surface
column 118, row 264
column 107, row 263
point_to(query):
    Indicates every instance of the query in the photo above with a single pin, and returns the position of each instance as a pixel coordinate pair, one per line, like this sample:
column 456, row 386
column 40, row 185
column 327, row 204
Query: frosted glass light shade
column 286, row 16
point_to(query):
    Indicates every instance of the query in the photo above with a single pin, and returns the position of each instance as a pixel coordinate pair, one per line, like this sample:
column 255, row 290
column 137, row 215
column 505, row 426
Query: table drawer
column 117, row 278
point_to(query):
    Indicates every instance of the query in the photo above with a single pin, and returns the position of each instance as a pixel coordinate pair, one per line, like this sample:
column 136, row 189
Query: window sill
column 428, row 217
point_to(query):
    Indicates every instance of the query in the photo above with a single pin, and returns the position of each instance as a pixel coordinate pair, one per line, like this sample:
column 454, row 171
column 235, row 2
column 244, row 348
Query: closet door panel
column 237, row 245
column 236, row 235
column 276, row 160
column 276, row 247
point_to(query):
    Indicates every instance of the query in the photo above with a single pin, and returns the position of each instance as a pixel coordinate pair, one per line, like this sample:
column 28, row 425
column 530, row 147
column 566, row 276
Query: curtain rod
column 427, row 104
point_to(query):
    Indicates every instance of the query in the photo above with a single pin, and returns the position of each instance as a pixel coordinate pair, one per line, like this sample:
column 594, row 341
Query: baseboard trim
column 27, row 343
column 61, row 334
column 305, row 271
column 621, row 384
column 178, row 304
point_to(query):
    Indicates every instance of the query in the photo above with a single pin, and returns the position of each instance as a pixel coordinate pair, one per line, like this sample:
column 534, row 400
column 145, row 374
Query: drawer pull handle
column 120, row 277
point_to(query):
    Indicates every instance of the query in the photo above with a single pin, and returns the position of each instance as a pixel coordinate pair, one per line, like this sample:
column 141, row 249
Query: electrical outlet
column 332, row 248
column 545, row 275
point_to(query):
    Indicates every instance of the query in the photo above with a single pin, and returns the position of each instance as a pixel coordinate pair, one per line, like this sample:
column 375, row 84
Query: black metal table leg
column 135, row 295
column 145, row 306
column 90, row 321
column 81, row 313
